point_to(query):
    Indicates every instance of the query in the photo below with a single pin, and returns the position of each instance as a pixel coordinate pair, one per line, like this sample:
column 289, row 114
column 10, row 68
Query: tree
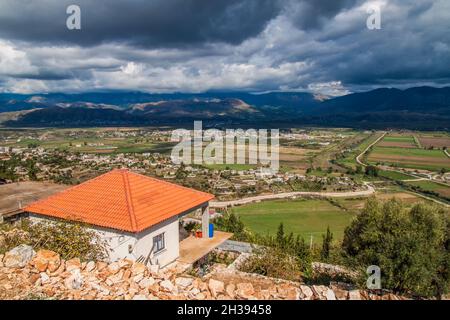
column 326, row 244
column 280, row 235
column 410, row 245
column 359, row 169
column 372, row 171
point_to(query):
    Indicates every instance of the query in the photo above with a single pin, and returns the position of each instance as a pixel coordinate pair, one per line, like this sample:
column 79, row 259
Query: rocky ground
column 25, row 274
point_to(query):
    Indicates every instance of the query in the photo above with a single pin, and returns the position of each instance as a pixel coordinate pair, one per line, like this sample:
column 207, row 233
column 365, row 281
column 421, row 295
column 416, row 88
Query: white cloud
column 14, row 62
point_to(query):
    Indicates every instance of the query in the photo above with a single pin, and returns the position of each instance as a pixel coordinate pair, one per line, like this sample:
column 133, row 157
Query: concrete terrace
column 193, row 249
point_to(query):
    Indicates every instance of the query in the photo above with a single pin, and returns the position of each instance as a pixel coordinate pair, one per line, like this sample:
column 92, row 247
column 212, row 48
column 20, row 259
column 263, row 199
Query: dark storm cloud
column 310, row 14
column 140, row 22
column 198, row 45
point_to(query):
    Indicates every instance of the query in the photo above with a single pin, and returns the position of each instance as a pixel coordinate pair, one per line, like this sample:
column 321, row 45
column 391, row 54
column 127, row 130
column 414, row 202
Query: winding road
column 367, row 149
column 361, row 193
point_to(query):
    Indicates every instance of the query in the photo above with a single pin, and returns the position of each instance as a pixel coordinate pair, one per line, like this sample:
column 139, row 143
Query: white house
column 137, row 216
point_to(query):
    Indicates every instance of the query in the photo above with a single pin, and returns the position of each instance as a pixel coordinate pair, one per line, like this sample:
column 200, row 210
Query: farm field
column 394, row 175
column 302, row 217
column 310, row 217
column 350, row 159
column 398, row 142
column 434, row 142
column 441, row 189
column 433, row 160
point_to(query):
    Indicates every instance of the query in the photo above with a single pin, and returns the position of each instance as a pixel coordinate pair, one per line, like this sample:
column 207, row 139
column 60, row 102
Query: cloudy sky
column 322, row 46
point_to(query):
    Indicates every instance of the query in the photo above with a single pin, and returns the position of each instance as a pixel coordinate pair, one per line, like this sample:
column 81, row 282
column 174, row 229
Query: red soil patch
column 434, row 142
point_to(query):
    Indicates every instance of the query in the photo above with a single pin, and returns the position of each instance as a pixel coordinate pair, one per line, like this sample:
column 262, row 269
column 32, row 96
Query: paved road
column 350, row 194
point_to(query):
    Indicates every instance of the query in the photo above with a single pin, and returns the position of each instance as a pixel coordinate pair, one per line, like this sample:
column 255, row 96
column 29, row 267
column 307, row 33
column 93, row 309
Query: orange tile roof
column 121, row 200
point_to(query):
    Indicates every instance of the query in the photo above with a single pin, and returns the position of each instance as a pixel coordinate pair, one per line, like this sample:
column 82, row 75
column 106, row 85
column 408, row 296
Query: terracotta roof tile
column 121, row 200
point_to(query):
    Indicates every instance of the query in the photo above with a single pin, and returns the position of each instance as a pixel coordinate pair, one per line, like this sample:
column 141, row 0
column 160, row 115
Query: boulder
column 138, row 278
column 46, row 260
column 125, row 263
column 75, row 280
column 245, row 290
column 354, row 295
column 44, row 278
column 100, row 265
column 307, row 293
column 146, row 282
column 340, row 294
column 230, row 290
column 183, row 282
column 19, row 257
column 216, row 287
column 330, row 295
column 154, row 269
column 90, row 266
column 113, row 268
column 167, row 285
column 73, row 264
column 138, row 268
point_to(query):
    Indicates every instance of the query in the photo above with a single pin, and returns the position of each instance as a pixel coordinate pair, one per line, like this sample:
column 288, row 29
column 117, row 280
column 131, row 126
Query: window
column 159, row 243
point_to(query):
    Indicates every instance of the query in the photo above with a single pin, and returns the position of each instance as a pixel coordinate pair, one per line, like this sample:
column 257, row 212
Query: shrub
column 409, row 245
column 273, row 262
column 70, row 240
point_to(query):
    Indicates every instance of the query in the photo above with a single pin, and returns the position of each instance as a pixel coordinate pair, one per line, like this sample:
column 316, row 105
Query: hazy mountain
column 420, row 108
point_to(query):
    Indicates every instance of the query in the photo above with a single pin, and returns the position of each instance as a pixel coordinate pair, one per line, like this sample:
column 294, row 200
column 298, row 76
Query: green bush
column 273, row 262
column 70, row 240
column 409, row 245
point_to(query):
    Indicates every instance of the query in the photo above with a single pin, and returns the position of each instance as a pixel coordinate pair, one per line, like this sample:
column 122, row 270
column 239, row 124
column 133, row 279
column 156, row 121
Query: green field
column 394, row 175
column 302, row 217
column 414, row 158
column 441, row 189
column 350, row 160
column 128, row 145
column 407, row 139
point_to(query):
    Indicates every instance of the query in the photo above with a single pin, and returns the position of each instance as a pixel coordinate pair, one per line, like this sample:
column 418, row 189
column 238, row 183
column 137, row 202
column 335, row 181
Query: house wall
column 132, row 246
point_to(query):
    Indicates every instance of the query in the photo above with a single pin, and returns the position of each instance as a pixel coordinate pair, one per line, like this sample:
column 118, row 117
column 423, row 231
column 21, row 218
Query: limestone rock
column 308, row 294
column 90, row 266
column 354, row 295
column 138, row 268
column 19, row 256
column 46, row 260
column 73, row 264
column 216, row 287
column 113, row 268
column 125, row 263
column 245, row 290
column 183, row 282
column 44, row 278
column 167, row 285
column 75, row 280
column 230, row 290
column 146, row 282
column 154, row 269
column 330, row 295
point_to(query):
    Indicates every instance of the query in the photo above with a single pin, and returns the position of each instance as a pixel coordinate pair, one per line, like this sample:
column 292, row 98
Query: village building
column 137, row 216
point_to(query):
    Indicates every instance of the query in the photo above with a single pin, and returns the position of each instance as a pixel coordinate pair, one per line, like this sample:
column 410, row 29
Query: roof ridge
column 128, row 199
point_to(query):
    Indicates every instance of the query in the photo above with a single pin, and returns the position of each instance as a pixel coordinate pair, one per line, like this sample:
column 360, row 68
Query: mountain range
column 425, row 108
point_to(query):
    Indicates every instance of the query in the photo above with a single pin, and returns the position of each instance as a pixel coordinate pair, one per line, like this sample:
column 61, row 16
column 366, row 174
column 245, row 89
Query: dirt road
column 351, row 194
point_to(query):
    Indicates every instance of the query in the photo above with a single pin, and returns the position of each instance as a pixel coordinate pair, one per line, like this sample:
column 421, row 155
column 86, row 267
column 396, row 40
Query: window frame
column 157, row 241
